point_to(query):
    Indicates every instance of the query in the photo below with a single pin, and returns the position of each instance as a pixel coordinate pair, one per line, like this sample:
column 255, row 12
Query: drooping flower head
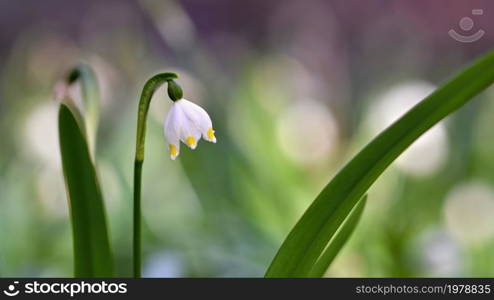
column 186, row 122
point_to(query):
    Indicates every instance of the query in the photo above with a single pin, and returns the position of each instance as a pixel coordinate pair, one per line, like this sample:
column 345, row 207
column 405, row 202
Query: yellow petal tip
column 191, row 142
column 173, row 151
column 210, row 135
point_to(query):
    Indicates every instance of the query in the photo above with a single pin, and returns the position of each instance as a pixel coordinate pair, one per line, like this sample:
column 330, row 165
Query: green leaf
column 338, row 240
column 308, row 239
column 92, row 254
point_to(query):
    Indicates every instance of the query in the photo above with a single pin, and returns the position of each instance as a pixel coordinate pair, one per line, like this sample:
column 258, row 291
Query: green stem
column 137, row 218
column 147, row 94
column 90, row 96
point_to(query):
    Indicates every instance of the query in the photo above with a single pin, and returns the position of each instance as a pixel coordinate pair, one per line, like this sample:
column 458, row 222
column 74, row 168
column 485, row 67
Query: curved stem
column 90, row 96
column 147, row 93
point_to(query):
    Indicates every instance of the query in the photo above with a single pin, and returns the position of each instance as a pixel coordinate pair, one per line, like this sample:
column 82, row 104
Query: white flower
column 187, row 122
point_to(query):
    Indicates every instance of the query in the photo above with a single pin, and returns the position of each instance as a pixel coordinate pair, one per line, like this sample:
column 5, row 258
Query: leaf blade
column 339, row 240
column 308, row 238
column 92, row 254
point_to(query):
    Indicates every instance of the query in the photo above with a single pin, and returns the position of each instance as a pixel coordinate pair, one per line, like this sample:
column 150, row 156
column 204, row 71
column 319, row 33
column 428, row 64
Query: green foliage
column 306, row 242
column 339, row 240
column 92, row 254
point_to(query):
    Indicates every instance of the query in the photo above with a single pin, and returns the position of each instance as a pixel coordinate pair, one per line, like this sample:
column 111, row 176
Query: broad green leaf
column 92, row 255
column 338, row 240
column 308, row 239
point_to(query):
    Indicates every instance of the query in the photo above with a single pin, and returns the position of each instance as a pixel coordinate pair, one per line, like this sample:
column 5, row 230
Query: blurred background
column 294, row 88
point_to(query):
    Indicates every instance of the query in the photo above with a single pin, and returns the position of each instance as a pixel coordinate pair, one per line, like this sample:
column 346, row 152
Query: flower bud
column 174, row 91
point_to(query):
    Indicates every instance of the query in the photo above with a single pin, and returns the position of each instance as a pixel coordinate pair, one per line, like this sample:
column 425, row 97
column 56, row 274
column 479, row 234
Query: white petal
column 200, row 118
column 189, row 133
column 172, row 125
column 171, row 128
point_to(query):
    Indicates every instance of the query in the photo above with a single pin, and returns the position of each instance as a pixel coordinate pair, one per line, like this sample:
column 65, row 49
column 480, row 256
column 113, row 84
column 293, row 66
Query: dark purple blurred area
column 339, row 41
column 253, row 20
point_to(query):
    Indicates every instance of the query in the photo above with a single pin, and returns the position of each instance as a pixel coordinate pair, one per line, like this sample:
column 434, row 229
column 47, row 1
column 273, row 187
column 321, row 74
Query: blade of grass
column 307, row 240
column 92, row 255
column 338, row 240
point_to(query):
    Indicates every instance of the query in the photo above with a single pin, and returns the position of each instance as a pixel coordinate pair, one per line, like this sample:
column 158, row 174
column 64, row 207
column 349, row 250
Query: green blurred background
column 294, row 88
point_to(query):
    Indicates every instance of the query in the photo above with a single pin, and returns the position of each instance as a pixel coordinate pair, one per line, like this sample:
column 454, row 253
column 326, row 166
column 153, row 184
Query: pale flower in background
column 303, row 117
column 187, row 122
column 40, row 137
column 468, row 210
column 439, row 254
column 429, row 152
column 60, row 91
